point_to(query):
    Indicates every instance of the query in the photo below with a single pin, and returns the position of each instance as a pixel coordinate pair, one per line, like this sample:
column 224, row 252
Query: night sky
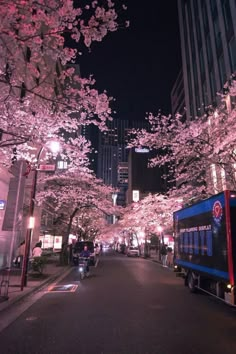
column 138, row 65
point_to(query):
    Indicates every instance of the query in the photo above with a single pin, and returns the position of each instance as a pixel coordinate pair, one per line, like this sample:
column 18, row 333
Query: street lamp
column 160, row 240
column 54, row 147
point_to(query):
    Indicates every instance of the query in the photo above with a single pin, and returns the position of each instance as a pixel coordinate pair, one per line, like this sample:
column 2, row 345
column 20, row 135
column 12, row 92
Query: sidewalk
column 154, row 257
column 51, row 272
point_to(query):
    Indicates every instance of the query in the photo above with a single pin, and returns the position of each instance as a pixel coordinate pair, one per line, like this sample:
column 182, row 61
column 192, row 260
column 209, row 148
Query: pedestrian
column 169, row 256
column 37, row 250
column 164, row 255
column 20, row 252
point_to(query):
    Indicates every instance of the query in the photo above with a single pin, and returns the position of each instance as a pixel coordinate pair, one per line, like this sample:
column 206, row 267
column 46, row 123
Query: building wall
column 112, row 148
column 4, row 235
column 208, row 47
column 177, row 96
column 12, row 189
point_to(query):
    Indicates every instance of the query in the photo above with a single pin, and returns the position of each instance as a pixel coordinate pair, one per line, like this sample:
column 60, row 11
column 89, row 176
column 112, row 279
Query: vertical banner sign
column 135, row 196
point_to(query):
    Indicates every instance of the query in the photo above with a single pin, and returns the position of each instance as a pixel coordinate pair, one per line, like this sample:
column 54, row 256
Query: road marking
column 31, row 318
column 71, row 288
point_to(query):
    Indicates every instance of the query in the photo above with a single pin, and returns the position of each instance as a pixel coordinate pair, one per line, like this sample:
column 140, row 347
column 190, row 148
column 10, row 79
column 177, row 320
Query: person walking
column 164, row 255
column 37, row 250
column 20, row 252
column 169, row 256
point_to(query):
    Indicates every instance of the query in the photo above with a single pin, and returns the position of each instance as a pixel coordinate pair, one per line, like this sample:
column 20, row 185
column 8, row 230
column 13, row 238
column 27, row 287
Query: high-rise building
column 177, row 97
column 208, row 46
column 142, row 179
column 113, row 155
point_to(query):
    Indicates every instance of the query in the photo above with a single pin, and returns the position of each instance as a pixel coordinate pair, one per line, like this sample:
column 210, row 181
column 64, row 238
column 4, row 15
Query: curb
column 9, row 303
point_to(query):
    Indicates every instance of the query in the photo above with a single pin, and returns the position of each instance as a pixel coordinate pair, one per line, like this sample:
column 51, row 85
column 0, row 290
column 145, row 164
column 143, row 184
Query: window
column 204, row 93
column 214, row 177
column 192, row 43
column 62, row 165
column 227, row 17
column 232, row 54
column 204, row 16
column 202, row 68
column 209, row 50
column 212, row 84
column 223, row 179
column 217, row 32
column 222, row 70
column 198, row 30
column 213, row 7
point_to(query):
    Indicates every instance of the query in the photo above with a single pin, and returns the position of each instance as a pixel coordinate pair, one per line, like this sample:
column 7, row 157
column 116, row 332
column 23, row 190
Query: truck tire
column 191, row 282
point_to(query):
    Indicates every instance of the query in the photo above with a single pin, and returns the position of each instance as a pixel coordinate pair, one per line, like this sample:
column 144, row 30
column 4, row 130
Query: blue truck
column 205, row 246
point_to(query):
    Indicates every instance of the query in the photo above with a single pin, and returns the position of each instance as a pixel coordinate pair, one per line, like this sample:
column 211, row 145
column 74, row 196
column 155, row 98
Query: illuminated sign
column 46, row 167
column 58, row 242
column 2, row 204
column 217, row 212
column 142, row 150
column 135, row 196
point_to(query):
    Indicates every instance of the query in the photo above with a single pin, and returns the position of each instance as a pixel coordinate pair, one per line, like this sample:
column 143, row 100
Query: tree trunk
column 66, row 254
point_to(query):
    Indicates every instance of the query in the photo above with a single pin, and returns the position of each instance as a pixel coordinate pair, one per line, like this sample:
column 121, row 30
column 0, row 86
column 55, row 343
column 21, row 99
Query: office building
column 113, row 155
column 208, row 48
column 142, row 179
column 177, row 97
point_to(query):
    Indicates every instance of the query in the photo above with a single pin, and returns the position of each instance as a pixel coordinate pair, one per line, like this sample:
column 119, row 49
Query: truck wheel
column 191, row 282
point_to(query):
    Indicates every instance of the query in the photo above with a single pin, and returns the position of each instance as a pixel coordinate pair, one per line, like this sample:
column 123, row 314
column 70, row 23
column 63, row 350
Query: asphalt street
column 126, row 306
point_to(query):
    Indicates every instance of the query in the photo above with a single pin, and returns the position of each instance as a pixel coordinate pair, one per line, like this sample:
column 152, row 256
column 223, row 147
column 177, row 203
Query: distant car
column 133, row 251
column 79, row 247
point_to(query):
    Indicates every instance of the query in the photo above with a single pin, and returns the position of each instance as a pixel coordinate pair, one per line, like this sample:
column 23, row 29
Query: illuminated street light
column 159, row 228
column 54, row 146
column 31, row 222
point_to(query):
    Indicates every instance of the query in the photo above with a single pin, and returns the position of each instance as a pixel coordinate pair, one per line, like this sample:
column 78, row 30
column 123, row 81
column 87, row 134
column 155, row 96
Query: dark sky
column 138, row 65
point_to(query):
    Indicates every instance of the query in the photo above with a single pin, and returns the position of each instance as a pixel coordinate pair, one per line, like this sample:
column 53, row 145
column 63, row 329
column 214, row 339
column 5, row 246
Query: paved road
column 127, row 306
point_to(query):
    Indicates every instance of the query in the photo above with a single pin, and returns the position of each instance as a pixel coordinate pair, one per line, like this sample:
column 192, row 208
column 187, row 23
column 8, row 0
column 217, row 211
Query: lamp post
column 54, row 146
column 160, row 240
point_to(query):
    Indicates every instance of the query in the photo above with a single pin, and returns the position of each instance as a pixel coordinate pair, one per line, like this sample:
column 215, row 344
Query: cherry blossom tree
column 41, row 95
column 191, row 149
column 75, row 193
column 89, row 224
column 152, row 211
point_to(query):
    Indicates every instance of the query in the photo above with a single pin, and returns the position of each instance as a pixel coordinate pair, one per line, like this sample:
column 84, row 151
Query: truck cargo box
column 205, row 237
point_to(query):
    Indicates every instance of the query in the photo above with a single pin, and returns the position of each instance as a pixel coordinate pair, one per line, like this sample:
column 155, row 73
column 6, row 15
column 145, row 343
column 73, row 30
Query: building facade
column 208, row 48
column 142, row 179
column 113, row 155
column 177, row 97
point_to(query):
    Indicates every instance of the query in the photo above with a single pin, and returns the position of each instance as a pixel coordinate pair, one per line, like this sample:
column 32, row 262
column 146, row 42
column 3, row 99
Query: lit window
column 234, row 170
column 223, row 179
column 214, row 177
column 62, row 165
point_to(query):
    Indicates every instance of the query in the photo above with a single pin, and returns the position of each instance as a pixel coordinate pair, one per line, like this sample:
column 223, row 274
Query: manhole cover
column 63, row 288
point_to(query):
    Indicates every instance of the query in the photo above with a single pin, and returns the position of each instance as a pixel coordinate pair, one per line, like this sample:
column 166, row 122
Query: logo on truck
column 217, row 212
